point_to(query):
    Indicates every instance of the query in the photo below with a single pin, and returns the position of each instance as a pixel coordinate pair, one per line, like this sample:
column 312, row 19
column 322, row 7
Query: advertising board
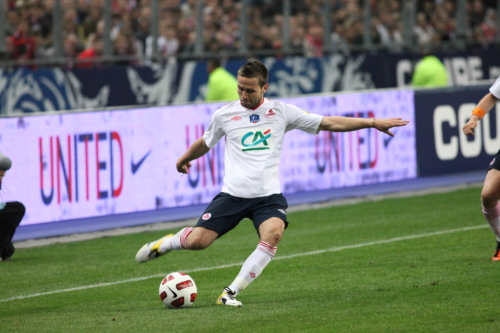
column 82, row 165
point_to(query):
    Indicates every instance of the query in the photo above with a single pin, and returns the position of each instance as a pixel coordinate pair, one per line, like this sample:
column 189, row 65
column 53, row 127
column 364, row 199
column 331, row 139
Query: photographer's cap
column 5, row 162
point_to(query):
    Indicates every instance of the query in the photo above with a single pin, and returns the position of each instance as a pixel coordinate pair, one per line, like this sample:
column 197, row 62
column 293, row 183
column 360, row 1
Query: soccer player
column 254, row 128
column 491, row 188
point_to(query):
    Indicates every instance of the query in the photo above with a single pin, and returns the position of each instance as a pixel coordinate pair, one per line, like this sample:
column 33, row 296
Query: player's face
column 250, row 92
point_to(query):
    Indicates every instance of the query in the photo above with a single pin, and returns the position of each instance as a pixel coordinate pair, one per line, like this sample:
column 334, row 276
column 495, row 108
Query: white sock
column 178, row 242
column 253, row 266
column 492, row 215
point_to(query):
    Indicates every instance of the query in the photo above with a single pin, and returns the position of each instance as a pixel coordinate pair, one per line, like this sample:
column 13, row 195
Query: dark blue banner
column 185, row 82
column 442, row 148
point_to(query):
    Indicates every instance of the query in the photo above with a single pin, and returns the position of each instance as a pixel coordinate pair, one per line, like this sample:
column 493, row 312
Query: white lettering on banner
column 461, row 71
column 403, row 69
column 445, row 151
column 470, row 146
column 475, row 69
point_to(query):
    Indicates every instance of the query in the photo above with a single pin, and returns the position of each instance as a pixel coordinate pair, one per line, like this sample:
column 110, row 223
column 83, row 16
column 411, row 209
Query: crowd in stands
column 29, row 26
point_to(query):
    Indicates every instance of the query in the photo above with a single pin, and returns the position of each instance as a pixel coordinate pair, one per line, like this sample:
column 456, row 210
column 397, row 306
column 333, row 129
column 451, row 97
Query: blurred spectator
column 351, row 31
column 71, row 49
column 13, row 19
column 339, row 43
column 297, row 39
column 424, row 32
column 94, row 52
column 90, row 23
column 82, row 9
column 435, row 24
column 389, row 30
column 123, row 47
column 314, row 41
column 21, row 44
column 222, row 85
column 489, row 25
column 476, row 14
column 142, row 24
column 167, row 42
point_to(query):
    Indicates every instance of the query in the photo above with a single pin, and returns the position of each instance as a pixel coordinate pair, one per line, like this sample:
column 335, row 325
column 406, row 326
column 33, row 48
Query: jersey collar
column 255, row 108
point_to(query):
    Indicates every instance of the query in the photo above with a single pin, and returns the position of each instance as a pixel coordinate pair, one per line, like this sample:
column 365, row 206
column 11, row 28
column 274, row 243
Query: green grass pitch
column 419, row 264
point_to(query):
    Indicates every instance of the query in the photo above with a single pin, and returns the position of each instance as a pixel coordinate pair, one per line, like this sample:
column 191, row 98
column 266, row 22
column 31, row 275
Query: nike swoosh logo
column 388, row 139
column 173, row 292
column 136, row 166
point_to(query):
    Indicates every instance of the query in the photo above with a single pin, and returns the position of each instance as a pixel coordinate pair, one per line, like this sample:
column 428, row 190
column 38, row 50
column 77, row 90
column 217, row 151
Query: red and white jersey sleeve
column 254, row 138
column 495, row 89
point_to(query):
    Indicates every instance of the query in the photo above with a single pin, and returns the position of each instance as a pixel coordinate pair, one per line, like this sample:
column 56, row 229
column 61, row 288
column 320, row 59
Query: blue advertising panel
column 442, row 148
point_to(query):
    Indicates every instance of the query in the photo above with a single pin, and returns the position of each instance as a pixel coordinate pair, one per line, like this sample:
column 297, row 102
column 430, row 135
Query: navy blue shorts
column 225, row 212
column 495, row 164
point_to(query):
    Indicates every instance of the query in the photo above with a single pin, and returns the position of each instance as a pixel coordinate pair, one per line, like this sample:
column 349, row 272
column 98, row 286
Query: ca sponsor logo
column 236, row 118
column 257, row 140
column 206, row 216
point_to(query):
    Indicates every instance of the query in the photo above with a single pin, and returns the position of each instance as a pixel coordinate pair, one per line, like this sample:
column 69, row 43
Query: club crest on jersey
column 206, row 216
column 257, row 140
column 270, row 114
column 236, row 118
column 254, row 118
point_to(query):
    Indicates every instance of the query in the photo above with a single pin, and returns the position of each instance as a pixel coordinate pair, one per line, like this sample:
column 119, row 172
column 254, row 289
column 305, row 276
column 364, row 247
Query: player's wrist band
column 478, row 112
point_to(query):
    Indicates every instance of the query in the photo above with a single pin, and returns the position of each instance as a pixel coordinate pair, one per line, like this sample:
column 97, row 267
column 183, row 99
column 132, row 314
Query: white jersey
column 495, row 89
column 254, row 138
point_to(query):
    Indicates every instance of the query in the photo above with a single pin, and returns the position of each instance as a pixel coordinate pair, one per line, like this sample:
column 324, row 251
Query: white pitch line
column 333, row 249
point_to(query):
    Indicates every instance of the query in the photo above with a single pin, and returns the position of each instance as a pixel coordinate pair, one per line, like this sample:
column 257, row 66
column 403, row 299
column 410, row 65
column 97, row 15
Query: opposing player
column 254, row 128
column 491, row 188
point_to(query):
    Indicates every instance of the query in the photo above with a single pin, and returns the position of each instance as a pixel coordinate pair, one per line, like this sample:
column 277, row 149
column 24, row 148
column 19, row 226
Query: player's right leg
column 490, row 195
column 220, row 216
column 186, row 239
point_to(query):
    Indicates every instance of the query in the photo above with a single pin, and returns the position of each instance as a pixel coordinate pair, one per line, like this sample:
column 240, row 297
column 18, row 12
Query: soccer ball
column 178, row 290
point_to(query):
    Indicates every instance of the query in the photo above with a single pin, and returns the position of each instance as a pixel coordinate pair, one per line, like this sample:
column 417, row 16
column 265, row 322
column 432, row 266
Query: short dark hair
column 254, row 69
column 213, row 62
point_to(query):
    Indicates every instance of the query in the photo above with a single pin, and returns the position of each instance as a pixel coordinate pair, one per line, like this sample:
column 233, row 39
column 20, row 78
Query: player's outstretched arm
column 347, row 124
column 483, row 107
column 197, row 149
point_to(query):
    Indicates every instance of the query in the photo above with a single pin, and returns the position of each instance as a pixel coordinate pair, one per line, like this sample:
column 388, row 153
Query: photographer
column 11, row 214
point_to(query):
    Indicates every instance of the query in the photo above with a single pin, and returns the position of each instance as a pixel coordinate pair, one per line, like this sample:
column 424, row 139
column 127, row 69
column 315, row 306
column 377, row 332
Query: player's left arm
column 347, row 124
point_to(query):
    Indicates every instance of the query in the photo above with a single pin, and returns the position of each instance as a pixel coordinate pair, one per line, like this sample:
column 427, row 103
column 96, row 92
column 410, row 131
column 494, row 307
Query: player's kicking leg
column 186, row 239
column 491, row 206
column 270, row 232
